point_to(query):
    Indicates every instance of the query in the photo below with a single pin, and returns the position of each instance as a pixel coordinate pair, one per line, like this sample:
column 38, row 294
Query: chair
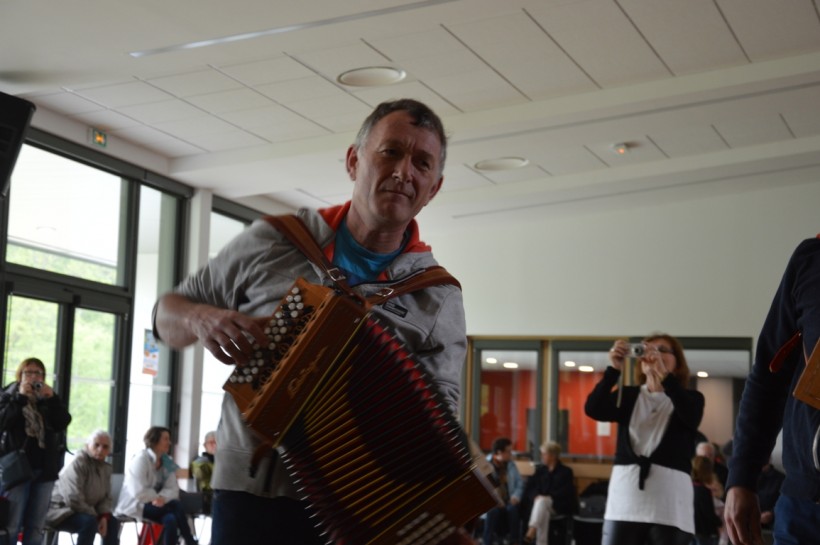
column 142, row 532
column 560, row 530
column 193, row 505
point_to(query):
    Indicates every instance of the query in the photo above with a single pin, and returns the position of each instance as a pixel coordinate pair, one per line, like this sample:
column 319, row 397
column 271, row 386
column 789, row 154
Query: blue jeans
column 28, row 505
column 796, row 522
column 173, row 520
column 85, row 526
column 492, row 523
column 240, row 517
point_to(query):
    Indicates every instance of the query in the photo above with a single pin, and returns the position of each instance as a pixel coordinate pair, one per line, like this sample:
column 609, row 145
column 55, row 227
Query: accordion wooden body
column 363, row 431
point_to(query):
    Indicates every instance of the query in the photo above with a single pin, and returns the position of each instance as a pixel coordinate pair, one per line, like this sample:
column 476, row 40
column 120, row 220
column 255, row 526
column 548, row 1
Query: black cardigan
column 677, row 447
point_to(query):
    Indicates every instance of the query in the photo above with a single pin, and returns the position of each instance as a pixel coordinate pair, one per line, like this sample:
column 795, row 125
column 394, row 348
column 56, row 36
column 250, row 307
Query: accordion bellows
column 367, row 438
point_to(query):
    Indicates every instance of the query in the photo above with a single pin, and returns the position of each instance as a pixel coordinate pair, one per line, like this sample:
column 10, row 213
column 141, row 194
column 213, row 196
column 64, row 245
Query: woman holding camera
column 32, row 419
column 650, row 486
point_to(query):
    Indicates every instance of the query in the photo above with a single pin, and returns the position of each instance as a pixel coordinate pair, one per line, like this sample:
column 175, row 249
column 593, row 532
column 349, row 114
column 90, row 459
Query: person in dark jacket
column 650, row 500
column 549, row 491
column 790, row 334
column 34, row 419
column 707, row 521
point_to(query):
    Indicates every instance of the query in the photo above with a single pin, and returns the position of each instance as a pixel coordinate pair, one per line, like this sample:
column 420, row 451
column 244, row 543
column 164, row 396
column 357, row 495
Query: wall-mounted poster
column 150, row 360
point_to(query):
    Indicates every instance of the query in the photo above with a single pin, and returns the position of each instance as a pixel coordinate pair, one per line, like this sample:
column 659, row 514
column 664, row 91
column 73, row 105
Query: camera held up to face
column 637, row 350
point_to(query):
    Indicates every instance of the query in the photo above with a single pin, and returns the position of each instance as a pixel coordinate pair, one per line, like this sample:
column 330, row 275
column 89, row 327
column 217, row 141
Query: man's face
column 395, row 172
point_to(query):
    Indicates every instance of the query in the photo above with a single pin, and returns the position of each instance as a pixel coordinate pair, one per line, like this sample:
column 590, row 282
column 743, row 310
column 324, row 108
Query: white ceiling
column 703, row 91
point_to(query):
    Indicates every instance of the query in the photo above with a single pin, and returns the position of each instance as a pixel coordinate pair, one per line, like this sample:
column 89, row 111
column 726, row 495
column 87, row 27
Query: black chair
column 560, row 530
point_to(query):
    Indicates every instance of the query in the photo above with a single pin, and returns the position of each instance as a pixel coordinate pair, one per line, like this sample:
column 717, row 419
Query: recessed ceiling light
column 502, row 163
column 510, row 365
column 569, row 363
column 586, row 369
column 371, row 76
column 491, row 360
column 621, row 148
column 703, row 374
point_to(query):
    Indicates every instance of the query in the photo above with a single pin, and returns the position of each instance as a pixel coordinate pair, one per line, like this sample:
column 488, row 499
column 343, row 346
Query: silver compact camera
column 637, row 350
column 37, row 386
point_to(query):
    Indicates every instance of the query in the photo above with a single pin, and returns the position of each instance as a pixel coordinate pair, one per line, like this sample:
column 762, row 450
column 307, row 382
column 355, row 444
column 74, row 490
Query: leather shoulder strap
column 431, row 276
column 295, row 229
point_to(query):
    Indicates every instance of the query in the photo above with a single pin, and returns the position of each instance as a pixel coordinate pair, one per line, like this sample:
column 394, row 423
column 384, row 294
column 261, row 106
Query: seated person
column 201, row 469
column 150, row 490
column 510, row 488
column 81, row 500
column 707, row 520
column 549, row 491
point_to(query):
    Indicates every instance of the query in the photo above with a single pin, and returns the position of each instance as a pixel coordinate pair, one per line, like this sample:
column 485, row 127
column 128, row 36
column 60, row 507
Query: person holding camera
column 652, row 499
column 33, row 419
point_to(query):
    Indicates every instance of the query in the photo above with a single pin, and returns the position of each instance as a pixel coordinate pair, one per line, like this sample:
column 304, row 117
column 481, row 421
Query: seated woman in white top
column 150, row 490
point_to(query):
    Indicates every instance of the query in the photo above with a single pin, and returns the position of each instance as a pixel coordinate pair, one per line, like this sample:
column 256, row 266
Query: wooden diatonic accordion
column 364, row 433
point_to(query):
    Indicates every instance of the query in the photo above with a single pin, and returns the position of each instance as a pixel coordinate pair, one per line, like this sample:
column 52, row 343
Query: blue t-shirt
column 358, row 263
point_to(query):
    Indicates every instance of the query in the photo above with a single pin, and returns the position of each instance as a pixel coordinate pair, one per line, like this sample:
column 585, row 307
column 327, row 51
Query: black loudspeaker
column 15, row 117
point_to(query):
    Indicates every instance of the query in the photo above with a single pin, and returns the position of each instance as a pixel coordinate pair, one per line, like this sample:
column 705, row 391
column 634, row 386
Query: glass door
column 79, row 348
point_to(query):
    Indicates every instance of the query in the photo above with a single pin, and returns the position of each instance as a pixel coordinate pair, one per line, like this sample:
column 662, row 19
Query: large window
column 215, row 373
column 507, row 381
column 31, row 332
column 65, row 217
column 70, row 276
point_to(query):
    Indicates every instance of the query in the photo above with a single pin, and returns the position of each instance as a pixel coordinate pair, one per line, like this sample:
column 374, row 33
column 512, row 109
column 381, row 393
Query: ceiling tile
column 66, row 103
column 455, row 61
column 340, row 103
column 107, row 120
column 159, row 112
column 768, row 29
column 804, row 123
column 519, row 50
column 684, row 141
column 225, row 140
column 189, row 129
column 561, row 162
column 431, row 43
column 689, row 36
column 298, row 127
column 476, row 90
column 753, row 130
column 413, row 89
column 124, row 94
column 260, row 117
column 229, row 101
column 267, row 71
column 157, row 141
column 299, row 89
column 601, row 40
column 195, row 83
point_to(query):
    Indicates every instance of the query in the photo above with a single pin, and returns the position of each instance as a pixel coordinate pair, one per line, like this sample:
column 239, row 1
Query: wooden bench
column 588, row 472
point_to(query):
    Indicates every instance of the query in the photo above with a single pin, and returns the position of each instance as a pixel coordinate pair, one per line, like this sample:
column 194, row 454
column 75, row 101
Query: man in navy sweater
column 767, row 404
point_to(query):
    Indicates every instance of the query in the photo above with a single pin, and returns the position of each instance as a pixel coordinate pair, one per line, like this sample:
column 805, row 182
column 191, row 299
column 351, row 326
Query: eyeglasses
column 33, row 373
column 664, row 350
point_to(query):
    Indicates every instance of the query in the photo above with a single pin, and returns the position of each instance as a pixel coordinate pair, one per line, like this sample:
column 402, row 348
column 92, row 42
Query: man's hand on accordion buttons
column 227, row 334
